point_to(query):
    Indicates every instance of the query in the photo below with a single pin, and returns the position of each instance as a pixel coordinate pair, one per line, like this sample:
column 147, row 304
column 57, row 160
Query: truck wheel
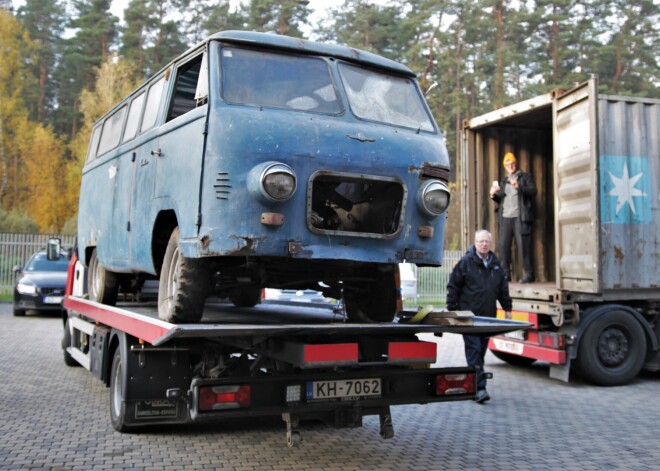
column 512, row 359
column 612, row 349
column 102, row 284
column 373, row 300
column 246, row 297
column 66, row 342
column 117, row 404
column 183, row 285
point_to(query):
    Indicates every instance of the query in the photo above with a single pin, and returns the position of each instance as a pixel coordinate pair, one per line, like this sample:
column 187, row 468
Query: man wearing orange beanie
column 515, row 196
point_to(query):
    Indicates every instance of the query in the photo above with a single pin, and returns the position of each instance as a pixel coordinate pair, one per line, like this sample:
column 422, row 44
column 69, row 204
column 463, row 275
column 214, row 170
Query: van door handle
column 156, row 152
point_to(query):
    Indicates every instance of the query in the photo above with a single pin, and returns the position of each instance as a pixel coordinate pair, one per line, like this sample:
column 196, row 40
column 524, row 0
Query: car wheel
column 183, row 285
column 19, row 312
column 102, row 284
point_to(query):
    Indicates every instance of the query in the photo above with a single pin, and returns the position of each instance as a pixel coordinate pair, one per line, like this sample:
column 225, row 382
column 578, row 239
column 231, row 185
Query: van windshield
column 384, row 98
column 265, row 79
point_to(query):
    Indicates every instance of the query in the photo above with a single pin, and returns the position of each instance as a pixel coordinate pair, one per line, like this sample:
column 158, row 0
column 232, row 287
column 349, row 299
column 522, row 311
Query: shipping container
column 596, row 244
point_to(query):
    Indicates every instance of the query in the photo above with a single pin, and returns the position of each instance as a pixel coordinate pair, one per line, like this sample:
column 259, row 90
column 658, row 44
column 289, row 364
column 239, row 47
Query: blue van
column 255, row 160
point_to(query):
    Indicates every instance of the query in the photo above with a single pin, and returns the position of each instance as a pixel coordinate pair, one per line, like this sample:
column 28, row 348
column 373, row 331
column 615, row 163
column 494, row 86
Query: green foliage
column 17, row 221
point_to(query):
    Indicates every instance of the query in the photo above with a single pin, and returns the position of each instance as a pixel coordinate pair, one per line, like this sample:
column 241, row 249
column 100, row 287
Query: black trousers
column 511, row 228
column 475, row 351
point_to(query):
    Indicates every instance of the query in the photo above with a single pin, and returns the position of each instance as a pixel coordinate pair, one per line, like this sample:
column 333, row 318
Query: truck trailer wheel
column 102, row 284
column 117, row 404
column 612, row 349
column 374, row 300
column 182, row 289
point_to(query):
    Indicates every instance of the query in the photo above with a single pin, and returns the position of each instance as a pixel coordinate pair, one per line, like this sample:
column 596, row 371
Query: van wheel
column 183, row 285
column 117, row 404
column 373, row 300
column 511, row 359
column 248, row 296
column 102, row 284
column 612, row 349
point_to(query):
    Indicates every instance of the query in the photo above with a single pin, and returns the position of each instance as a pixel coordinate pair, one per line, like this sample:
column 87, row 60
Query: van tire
column 102, row 284
column 183, row 285
column 374, row 300
column 248, row 296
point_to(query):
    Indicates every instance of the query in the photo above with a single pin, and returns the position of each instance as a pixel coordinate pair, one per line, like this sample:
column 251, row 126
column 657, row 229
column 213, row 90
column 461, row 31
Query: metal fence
column 432, row 281
column 16, row 249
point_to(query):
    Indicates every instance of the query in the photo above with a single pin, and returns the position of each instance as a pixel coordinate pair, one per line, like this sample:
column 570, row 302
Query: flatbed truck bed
column 298, row 362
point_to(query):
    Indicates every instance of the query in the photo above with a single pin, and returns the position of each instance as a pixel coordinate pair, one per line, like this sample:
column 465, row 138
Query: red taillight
column 450, row 384
column 224, row 397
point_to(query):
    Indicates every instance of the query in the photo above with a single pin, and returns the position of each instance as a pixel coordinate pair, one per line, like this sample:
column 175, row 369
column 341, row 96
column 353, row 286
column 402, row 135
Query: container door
column 577, row 218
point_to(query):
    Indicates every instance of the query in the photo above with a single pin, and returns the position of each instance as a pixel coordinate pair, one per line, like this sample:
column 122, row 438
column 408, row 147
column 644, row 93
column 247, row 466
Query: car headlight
column 24, row 288
column 272, row 181
column 433, row 198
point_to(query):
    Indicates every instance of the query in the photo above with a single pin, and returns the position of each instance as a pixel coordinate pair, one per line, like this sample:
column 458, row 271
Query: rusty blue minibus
column 255, row 160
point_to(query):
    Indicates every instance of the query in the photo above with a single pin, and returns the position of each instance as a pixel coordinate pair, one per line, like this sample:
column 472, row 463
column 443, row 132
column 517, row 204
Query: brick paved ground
column 56, row 418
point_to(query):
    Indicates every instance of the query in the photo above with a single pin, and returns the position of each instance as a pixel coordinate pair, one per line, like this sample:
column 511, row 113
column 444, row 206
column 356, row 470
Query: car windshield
column 40, row 262
column 384, row 98
column 277, row 81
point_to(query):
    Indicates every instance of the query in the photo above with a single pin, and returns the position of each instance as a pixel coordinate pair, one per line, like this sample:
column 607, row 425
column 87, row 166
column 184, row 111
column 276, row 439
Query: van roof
column 303, row 45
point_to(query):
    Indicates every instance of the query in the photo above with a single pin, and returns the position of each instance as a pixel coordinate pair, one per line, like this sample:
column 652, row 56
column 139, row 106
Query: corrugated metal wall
column 629, row 160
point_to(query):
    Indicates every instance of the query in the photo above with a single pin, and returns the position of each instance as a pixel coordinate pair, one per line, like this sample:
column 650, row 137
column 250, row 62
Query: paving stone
column 56, row 418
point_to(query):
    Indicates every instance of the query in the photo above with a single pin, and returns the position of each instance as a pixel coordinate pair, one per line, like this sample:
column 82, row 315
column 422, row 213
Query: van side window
column 153, row 103
column 183, row 99
column 111, row 131
column 134, row 112
column 94, row 144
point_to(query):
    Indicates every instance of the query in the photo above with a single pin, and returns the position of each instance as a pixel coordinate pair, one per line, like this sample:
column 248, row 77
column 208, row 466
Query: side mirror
column 17, row 269
column 53, row 249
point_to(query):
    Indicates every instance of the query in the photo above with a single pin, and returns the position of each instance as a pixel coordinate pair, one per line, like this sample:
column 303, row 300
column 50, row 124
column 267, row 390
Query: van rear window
column 277, row 80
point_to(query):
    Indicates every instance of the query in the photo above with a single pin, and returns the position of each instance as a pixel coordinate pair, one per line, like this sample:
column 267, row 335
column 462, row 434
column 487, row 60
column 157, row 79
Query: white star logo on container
column 624, row 189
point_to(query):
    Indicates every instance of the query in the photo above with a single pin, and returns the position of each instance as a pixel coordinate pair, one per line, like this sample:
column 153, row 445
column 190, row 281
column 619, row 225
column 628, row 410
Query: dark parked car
column 40, row 286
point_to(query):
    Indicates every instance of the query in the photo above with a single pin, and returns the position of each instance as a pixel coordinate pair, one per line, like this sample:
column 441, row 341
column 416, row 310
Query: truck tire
column 117, row 404
column 511, row 359
column 66, row 342
column 183, row 285
column 612, row 349
column 374, row 300
column 246, row 297
column 102, row 284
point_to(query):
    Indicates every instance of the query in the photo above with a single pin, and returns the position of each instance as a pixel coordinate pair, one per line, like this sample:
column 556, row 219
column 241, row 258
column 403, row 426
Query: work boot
column 482, row 396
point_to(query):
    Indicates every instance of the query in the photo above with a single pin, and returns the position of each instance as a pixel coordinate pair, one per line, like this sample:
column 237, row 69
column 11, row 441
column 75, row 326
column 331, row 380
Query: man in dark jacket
column 476, row 283
column 515, row 196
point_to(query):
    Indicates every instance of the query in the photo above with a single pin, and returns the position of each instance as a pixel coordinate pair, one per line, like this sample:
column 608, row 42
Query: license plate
column 516, row 334
column 52, row 299
column 342, row 389
column 510, row 347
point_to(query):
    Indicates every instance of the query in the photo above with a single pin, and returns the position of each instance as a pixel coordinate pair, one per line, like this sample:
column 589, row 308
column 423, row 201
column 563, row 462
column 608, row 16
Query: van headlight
column 433, row 198
column 272, row 182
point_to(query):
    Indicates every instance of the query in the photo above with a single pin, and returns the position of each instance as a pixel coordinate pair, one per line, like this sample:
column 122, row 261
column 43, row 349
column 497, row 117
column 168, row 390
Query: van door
column 577, row 219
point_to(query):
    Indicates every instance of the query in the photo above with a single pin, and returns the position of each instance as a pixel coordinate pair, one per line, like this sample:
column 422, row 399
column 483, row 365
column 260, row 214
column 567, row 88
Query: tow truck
column 300, row 363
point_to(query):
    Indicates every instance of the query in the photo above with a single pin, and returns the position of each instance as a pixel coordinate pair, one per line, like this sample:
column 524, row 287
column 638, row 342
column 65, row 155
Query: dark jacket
column 473, row 287
column 526, row 194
